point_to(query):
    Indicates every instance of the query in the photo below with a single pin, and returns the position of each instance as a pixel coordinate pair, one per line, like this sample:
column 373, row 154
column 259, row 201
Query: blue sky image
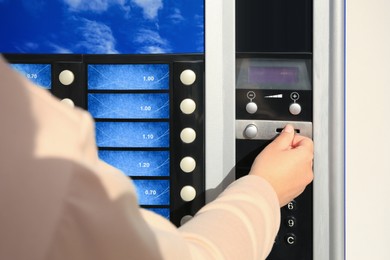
column 102, row 26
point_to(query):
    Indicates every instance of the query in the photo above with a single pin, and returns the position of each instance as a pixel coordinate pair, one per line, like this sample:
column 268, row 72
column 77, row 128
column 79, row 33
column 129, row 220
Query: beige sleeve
column 101, row 220
column 241, row 223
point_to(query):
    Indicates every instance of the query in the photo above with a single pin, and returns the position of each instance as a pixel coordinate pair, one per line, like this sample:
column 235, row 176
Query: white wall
column 368, row 130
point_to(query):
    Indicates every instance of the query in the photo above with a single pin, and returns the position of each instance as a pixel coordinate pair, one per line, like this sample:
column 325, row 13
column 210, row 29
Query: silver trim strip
column 336, row 132
column 267, row 130
column 220, row 95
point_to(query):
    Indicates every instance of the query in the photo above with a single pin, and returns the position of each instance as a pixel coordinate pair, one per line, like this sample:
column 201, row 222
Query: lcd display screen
column 153, row 192
column 128, row 77
column 39, row 74
column 273, row 75
column 138, row 163
column 276, row 74
column 132, row 134
column 147, row 106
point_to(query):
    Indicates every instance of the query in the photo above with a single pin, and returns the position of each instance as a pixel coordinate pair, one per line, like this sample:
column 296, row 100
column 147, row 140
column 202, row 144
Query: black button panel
column 290, row 223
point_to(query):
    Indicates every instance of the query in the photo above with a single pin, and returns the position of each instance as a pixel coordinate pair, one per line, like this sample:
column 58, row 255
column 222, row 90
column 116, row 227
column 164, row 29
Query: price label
column 144, row 165
column 146, row 108
column 148, row 136
column 150, row 192
column 32, row 75
column 148, row 78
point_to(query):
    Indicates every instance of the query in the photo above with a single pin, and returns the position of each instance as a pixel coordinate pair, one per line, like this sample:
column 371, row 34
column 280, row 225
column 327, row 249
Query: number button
column 292, row 205
column 291, row 222
column 291, row 239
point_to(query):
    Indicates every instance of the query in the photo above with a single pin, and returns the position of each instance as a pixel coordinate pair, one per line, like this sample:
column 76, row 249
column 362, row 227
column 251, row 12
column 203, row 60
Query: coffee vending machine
column 284, row 63
column 274, row 57
column 185, row 100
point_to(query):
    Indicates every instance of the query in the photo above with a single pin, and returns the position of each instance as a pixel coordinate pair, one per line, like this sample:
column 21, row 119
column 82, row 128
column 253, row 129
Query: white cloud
column 96, row 38
column 152, row 50
column 31, row 45
column 149, row 7
column 88, row 5
column 151, row 42
column 149, row 36
column 27, row 47
column 59, row 49
column 176, row 16
column 98, row 6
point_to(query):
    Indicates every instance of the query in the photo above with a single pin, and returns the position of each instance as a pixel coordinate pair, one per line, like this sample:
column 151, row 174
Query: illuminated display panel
column 128, row 77
column 131, row 106
column 132, row 134
column 153, row 192
column 276, row 74
column 138, row 163
column 39, row 74
column 273, row 75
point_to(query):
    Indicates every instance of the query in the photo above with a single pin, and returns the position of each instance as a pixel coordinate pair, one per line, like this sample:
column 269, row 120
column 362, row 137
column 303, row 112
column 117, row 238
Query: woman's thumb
column 285, row 139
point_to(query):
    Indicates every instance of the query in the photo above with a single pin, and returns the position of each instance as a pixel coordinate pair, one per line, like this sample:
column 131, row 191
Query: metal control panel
column 272, row 91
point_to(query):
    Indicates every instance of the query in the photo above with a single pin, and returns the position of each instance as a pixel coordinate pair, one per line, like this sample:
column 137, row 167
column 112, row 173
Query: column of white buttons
column 66, row 78
column 187, row 135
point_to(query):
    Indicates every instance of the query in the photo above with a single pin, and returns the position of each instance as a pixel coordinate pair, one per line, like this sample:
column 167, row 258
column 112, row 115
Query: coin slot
column 279, row 130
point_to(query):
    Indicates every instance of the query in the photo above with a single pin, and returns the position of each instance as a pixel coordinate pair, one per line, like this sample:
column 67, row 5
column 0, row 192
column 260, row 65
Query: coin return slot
column 279, row 130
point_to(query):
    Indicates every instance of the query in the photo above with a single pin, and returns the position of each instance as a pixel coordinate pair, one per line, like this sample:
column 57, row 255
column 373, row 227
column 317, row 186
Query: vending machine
column 274, row 87
column 282, row 63
column 185, row 94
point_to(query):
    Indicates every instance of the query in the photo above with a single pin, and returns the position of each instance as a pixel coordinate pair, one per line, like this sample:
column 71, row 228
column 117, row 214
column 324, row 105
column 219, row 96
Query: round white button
column 68, row 102
column 188, row 193
column 250, row 131
column 66, row 77
column 188, row 135
column 185, row 219
column 295, row 109
column 188, row 106
column 251, row 107
column 187, row 164
column 188, row 77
